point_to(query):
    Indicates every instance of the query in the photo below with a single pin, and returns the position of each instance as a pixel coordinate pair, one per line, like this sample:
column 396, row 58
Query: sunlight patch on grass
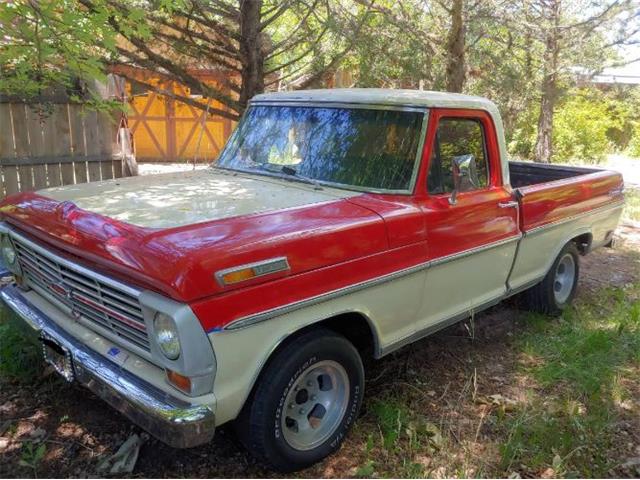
column 568, row 423
column 632, row 204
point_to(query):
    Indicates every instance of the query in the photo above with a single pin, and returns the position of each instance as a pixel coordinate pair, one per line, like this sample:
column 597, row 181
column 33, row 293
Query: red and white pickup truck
column 335, row 225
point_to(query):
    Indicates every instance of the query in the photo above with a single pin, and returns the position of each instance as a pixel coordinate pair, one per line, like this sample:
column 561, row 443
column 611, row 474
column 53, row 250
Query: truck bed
column 549, row 194
column 524, row 174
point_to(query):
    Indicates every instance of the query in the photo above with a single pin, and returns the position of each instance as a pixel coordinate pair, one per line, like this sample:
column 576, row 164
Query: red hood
column 181, row 262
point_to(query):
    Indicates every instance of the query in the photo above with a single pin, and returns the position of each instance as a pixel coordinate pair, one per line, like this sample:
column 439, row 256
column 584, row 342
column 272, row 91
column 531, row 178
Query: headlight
column 8, row 252
column 167, row 336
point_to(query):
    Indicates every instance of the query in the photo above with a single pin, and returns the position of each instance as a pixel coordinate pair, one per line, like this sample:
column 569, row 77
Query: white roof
column 380, row 96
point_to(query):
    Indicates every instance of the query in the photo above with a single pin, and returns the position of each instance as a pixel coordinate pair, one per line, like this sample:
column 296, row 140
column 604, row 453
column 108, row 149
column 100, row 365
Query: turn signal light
column 252, row 270
column 238, row 276
column 179, row 381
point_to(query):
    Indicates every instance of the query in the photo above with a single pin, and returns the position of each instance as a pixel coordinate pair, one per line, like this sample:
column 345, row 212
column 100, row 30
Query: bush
column 580, row 129
column 634, row 144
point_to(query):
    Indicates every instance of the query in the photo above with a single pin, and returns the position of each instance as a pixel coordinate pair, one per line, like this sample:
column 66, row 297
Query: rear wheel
column 304, row 402
column 558, row 288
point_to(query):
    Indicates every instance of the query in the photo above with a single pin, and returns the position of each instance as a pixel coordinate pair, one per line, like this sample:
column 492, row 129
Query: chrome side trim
column 594, row 211
column 261, row 317
column 168, row 418
column 261, row 268
column 471, row 251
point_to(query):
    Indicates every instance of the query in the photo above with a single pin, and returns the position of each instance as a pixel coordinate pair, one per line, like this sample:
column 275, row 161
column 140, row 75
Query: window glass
column 347, row 146
column 455, row 138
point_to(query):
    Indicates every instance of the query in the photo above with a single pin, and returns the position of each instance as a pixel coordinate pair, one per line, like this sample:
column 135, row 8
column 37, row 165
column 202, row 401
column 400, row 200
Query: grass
column 632, row 204
column 580, row 366
column 20, row 360
column 579, row 374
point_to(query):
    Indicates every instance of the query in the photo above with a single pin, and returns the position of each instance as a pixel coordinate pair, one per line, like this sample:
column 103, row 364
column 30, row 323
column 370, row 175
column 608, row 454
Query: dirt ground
column 446, row 376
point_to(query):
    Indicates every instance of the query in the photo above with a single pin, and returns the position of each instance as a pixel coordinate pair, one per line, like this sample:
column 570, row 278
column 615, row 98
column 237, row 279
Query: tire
column 283, row 423
column 558, row 288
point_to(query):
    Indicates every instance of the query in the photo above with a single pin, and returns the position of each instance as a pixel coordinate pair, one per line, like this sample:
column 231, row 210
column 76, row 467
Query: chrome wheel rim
column 564, row 278
column 315, row 405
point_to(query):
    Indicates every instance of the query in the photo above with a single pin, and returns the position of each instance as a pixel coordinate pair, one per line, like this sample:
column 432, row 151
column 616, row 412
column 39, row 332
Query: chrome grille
column 97, row 302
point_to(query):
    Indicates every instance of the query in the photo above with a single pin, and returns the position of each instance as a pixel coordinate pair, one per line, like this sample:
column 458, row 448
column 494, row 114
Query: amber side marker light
column 179, row 381
column 238, row 276
column 243, row 273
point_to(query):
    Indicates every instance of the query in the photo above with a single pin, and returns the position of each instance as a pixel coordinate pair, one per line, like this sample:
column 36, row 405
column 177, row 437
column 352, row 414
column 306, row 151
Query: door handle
column 512, row 204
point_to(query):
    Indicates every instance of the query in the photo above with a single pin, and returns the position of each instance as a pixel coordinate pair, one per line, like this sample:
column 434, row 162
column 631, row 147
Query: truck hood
column 177, row 199
column 171, row 233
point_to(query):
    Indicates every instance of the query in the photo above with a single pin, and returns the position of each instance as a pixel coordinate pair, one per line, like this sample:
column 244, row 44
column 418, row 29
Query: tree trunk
column 251, row 51
column 544, row 145
column 548, row 91
column 455, row 48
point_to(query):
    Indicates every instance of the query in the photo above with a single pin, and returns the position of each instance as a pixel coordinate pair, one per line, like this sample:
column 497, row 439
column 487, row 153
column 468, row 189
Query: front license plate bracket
column 58, row 357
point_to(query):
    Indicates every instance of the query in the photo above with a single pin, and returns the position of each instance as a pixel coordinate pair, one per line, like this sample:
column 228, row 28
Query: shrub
column 580, row 129
column 634, row 144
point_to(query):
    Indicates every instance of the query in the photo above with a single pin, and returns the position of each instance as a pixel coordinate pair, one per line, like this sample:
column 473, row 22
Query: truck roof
column 380, row 96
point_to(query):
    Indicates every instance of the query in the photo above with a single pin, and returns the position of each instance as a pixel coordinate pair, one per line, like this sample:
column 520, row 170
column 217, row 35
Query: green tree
column 52, row 44
column 572, row 33
column 257, row 43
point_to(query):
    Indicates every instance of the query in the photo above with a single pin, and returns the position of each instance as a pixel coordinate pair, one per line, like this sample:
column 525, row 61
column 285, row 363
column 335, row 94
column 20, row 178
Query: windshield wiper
column 292, row 172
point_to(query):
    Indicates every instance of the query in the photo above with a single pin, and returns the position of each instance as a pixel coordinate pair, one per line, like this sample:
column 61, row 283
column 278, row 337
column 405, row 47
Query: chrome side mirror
column 465, row 176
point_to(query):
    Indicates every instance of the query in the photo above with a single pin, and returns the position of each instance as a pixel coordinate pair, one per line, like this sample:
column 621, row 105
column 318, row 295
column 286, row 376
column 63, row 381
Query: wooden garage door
column 166, row 130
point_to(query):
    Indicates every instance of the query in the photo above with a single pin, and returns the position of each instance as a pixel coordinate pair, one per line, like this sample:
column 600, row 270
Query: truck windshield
column 350, row 147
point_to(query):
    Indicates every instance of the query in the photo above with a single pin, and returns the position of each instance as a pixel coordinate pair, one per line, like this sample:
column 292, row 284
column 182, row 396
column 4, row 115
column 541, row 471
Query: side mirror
column 465, row 176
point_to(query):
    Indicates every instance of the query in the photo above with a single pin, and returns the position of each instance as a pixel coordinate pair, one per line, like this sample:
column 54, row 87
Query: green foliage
column 393, row 54
column 53, row 44
column 31, row 455
column 632, row 203
column 583, row 355
column 19, row 359
column 634, row 143
column 580, row 129
column 590, row 123
column 367, row 470
column 403, row 429
column 522, row 138
column 392, row 417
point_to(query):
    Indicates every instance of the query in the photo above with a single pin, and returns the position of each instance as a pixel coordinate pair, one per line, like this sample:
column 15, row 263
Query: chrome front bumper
column 171, row 420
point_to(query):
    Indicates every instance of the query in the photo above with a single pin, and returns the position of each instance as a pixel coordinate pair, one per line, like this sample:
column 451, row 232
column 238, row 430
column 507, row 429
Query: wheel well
column 583, row 242
column 356, row 328
column 352, row 325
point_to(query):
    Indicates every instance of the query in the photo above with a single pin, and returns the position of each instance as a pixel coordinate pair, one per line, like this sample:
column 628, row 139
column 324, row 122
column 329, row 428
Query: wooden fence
column 65, row 145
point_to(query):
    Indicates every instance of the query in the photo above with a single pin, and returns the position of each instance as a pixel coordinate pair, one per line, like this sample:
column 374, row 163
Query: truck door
column 471, row 218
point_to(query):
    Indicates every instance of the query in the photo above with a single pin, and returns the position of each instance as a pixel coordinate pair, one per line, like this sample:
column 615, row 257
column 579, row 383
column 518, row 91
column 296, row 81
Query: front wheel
column 558, row 288
column 304, row 402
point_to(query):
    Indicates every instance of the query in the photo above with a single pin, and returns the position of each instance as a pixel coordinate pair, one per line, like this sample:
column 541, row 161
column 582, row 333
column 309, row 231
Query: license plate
column 58, row 357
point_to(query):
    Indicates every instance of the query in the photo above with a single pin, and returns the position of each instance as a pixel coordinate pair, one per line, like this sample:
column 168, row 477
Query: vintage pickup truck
column 336, row 226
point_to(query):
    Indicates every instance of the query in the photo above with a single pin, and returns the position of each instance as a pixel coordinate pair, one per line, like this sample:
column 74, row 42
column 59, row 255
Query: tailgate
column 560, row 200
